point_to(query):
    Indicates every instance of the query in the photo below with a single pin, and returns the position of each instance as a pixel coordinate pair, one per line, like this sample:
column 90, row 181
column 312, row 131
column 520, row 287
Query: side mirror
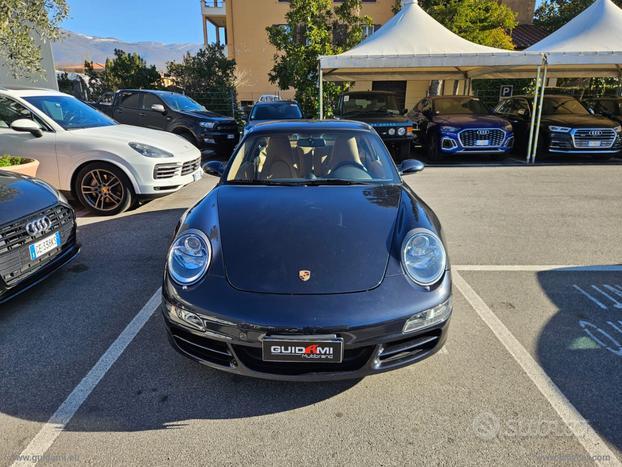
column 410, row 166
column 158, row 108
column 27, row 126
column 215, row 168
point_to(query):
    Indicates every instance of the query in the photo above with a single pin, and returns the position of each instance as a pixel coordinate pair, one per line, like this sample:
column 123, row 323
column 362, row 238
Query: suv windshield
column 276, row 111
column 465, row 106
column 181, row 103
column 370, row 104
column 313, row 158
column 69, row 112
column 563, row 106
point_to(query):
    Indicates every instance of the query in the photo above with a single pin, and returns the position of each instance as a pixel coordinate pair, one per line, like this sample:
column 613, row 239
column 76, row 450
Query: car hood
column 20, row 196
column 471, row 121
column 371, row 119
column 342, row 235
column 170, row 142
column 578, row 121
column 209, row 116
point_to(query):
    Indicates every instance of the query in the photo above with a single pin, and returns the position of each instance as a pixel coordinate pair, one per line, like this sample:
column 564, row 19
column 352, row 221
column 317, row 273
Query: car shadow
column 53, row 335
column 580, row 348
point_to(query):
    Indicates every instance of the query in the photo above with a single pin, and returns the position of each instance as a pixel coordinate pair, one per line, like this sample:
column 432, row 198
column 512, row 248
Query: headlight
column 423, row 257
column 508, row 127
column 401, row 131
column 559, row 129
column 189, row 257
column 391, row 131
column 149, row 151
column 618, row 129
column 450, row 129
column 427, row 318
column 207, row 124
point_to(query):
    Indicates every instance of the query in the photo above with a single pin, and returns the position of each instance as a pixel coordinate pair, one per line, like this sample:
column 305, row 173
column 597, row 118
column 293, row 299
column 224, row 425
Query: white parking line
column 59, row 420
column 593, row 444
column 616, row 304
column 594, row 300
column 537, row 268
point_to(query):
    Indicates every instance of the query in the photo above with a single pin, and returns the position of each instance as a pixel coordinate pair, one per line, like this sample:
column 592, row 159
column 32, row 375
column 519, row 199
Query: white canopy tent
column 414, row 46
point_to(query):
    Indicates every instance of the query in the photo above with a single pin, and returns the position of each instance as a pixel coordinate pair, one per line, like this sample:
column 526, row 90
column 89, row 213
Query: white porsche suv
column 107, row 166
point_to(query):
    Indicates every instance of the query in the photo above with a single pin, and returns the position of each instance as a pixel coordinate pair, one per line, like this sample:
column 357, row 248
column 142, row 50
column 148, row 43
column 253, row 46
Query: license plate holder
column 198, row 175
column 42, row 247
column 302, row 349
column 594, row 143
column 482, row 142
column 230, row 136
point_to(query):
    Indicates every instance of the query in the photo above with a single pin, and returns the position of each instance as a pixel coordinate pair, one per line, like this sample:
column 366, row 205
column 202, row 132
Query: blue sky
column 138, row 20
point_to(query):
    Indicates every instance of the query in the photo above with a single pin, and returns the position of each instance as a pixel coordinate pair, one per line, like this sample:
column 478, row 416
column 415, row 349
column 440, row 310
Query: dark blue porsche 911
column 311, row 260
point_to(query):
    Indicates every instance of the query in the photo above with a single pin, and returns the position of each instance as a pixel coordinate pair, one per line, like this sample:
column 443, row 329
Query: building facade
column 241, row 25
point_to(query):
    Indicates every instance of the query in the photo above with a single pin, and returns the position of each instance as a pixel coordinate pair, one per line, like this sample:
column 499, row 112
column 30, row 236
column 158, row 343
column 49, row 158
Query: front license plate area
column 307, row 349
column 40, row 248
column 594, row 144
column 198, row 175
column 230, row 136
column 482, row 142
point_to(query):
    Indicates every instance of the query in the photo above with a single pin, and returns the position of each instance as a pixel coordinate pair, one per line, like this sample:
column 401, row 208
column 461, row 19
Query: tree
column 314, row 28
column 125, row 70
column 485, row 22
column 553, row 14
column 209, row 77
column 18, row 19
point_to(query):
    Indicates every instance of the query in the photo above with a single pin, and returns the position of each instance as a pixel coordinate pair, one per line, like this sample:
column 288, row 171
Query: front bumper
column 222, row 143
column 566, row 143
column 451, row 143
column 68, row 253
column 373, row 340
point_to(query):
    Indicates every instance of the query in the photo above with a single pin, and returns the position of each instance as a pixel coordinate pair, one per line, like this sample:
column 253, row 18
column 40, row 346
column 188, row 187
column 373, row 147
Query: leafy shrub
column 7, row 160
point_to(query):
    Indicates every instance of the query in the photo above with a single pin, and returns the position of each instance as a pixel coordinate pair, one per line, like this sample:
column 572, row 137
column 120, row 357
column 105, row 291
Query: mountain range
column 74, row 48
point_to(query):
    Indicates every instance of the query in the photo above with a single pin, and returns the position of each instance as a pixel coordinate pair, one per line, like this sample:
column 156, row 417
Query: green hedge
column 8, row 161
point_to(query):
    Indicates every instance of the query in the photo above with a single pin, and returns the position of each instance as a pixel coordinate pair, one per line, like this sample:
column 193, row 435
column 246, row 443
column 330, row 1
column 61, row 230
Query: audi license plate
column 306, row 349
column 44, row 246
column 594, row 144
column 482, row 142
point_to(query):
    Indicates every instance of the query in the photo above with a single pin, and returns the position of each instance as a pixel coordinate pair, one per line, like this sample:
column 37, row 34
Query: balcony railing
column 213, row 3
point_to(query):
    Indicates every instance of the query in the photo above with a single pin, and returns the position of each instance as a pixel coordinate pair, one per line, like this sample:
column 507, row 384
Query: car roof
column 555, row 96
column 451, row 97
column 306, row 125
column 153, row 91
column 275, row 102
column 25, row 91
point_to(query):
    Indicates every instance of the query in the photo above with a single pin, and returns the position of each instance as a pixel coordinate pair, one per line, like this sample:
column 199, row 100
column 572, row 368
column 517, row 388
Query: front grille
column 593, row 138
column 394, row 353
column 353, row 360
column 209, row 350
column 494, row 136
column 164, row 171
column 229, row 127
column 15, row 262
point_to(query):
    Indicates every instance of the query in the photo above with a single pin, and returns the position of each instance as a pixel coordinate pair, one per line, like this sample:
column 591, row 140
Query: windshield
column 69, row 112
column 370, row 103
column 466, row 106
column 563, row 106
column 181, row 103
column 313, row 157
column 280, row 111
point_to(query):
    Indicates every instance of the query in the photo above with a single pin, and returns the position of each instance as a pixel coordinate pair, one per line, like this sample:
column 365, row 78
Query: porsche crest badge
column 304, row 275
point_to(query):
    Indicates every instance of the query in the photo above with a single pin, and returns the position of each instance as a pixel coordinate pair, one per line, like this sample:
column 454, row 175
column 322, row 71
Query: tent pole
column 537, row 129
column 321, row 90
column 533, row 114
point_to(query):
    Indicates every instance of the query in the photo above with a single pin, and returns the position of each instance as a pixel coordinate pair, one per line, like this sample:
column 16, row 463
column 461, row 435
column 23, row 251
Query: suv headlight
column 189, row 257
column 423, row 257
column 618, row 129
column 149, row 151
column 450, row 129
column 401, row 131
column 207, row 124
column 427, row 318
column 559, row 129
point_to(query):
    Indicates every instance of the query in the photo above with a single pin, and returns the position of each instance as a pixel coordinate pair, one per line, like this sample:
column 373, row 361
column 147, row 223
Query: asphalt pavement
column 531, row 373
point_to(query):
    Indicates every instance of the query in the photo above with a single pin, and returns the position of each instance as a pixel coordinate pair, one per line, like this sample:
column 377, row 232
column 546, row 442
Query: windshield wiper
column 334, row 181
